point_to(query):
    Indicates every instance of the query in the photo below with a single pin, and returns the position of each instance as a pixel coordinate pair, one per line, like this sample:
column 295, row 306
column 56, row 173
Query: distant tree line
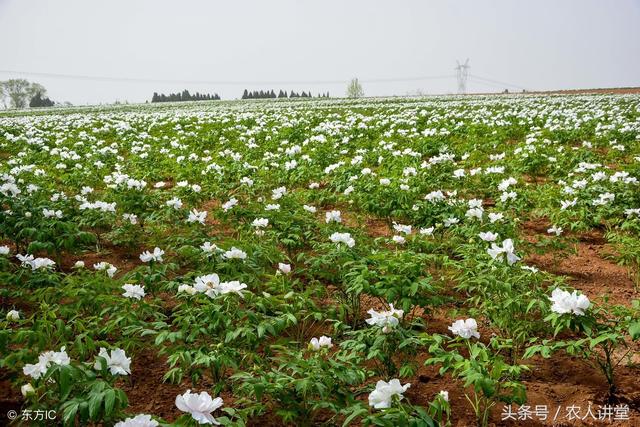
column 184, row 96
column 22, row 93
column 261, row 94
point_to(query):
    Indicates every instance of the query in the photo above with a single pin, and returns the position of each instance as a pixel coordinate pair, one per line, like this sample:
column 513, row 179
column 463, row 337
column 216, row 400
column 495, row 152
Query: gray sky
column 537, row 44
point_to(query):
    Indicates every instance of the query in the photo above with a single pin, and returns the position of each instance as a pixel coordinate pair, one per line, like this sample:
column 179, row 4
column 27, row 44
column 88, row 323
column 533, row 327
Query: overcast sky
column 536, row 44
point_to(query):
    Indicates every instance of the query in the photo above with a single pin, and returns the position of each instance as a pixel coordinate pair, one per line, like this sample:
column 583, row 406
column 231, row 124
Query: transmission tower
column 462, row 73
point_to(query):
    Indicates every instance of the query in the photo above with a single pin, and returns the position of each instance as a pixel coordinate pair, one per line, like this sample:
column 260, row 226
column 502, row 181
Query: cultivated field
column 431, row 261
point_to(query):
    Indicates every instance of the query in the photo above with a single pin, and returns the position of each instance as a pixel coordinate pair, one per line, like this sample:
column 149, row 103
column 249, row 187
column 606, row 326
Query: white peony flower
column 200, row 406
column 133, row 291
column 344, row 238
column 488, row 236
column 507, row 248
column 175, row 203
column 317, row 343
column 45, row 360
column 382, row 396
column 333, row 216
column 141, row 420
column 27, row 389
column 234, row 253
column 385, row 319
column 209, row 247
column 117, row 362
column 156, row 256
column 465, row 328
column 284, row 268
column 565, row 302
column 197, row 216
column 105, row 266
column 555, row 230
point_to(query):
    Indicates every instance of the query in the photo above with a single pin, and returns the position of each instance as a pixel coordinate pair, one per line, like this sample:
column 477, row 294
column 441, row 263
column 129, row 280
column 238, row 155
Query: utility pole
column 462, row 73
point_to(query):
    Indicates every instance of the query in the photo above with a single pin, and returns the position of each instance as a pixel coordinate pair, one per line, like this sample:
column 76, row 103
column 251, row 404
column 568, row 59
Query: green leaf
column 634, row 330
column 354, row 415
column 109, row 401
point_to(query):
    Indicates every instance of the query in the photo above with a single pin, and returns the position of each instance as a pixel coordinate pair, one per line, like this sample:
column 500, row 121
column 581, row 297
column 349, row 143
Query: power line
column 473, row 76
column 215, row 82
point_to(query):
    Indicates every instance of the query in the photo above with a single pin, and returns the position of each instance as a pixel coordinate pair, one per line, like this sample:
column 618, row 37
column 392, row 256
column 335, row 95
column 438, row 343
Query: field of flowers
column 434, row 261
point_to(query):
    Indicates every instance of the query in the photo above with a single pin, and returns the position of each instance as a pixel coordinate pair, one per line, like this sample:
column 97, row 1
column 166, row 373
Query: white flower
column 260, row 222
column 45, row 360
column 4, row 250
column 175, row 203
column 311, row 209
column 555, row 230
column 427, row 231
column 117, row 362
column 209, row 247
column 156, row 256
column 476, row 212
column 229, row 204
column 278, row 193
column 385, row 181
column 133, row 291
column 272, row 207
column 565, row 302
column 132, row 218
column 187, row 289
column 493, row 217
column 382, row 396
column 235, row 253
column 450, row 221
column 196, row 216
column 141, row 420
column 78, row 264
column 604, row 199
column 105, row 266
column 200, row 406
column 13, row 315
column 401, row 228
column 398, row 239
column 35, row 263
column 333, row 216
column 204, row 283
column 285, row 268
column 508, row 195
column 444, row 394
column 228, row 287
column 343, row 238
column 50, row 213
column 465, row 328
column 564, row 204
column 507, row 248
column 488, row 236
column 27, row 389
column 385, row 319
column 317, row 343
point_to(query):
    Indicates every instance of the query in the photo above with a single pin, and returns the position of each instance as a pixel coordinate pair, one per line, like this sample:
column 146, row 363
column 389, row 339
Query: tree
column 19, row 92
column 354, row 90
column 39, row 101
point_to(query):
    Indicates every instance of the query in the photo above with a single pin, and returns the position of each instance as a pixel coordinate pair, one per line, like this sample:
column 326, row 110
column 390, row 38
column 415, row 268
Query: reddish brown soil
column 557, row 383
